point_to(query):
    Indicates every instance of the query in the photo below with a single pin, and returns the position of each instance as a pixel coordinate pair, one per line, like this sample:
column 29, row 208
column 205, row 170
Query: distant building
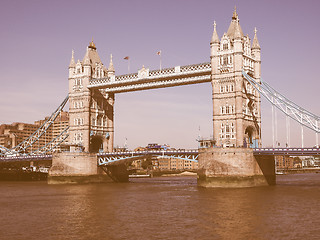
column 120, row 149
column 164, row 164
column 308, row 161
column 138, row 149
column 284, row 162
column 156, row 146
column 206, row 143
column 176, row 164
column 13, row 134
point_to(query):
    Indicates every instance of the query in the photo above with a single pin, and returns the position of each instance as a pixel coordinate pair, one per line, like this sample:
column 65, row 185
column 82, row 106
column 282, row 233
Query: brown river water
column 161, row 208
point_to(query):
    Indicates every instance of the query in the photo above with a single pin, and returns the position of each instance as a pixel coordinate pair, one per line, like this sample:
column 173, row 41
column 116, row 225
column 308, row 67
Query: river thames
column 161, row 208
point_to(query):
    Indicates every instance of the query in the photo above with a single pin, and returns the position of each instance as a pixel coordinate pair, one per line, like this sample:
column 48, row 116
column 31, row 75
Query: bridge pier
column 76, row 167
column 117, row 172
column 234, row 168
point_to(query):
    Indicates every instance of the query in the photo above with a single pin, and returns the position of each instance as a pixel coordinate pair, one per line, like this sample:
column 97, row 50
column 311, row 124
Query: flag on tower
column 159, row 53
column 128, row 58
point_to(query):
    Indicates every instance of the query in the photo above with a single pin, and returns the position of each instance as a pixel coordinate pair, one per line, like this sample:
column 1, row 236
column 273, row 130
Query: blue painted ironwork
column 26, row 158
column 3, row 149
column 116, row 157
column 287, row 151
column 192, row 155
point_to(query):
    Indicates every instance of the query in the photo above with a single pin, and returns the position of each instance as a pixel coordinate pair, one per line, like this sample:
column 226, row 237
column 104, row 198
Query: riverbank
column 299, row 170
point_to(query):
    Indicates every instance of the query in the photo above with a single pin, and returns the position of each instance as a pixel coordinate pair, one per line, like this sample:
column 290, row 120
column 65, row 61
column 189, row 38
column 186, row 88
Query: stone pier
column 234, row 168
column 76, row 167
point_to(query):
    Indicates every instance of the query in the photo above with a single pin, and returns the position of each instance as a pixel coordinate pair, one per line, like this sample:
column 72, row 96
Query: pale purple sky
column 37, row 38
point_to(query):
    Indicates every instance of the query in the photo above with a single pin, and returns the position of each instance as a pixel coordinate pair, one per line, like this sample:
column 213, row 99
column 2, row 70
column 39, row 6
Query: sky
column 37, row 38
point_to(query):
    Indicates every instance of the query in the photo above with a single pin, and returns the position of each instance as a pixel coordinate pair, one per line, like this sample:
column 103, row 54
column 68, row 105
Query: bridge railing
column 175, row 72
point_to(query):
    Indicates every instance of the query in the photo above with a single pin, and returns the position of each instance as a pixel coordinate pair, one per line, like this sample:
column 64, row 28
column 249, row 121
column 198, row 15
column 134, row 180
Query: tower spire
column 92, row 45
column 72, row 62
column 111, row 67
column 234, row 25
column 235, row 15
column 255, row 42
column 215, row 37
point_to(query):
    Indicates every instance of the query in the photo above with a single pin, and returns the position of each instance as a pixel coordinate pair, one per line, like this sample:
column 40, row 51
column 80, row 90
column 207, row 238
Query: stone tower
column 236, row 104
column 91, row 111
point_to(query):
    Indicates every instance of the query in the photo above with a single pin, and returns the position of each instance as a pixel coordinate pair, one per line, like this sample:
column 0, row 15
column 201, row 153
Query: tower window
column 225, row 46
column 225, row 60
column 227, row 109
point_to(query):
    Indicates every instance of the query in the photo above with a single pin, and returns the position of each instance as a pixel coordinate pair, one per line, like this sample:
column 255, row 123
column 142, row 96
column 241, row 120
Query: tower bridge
column 234, row 71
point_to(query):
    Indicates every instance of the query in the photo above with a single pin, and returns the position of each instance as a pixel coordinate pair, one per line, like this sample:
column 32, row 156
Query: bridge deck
column 187, row 152
column 145, row 79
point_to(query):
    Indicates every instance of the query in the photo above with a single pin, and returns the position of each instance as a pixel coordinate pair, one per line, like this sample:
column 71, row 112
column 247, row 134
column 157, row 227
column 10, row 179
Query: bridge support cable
column 288, row 131
column 276, row 93
column 3, row 150
column 52, row 145
column 317, row 139
column 276, row 126
column 272, row 122
column 289, row 108
column 21, row 147
column 302, row 135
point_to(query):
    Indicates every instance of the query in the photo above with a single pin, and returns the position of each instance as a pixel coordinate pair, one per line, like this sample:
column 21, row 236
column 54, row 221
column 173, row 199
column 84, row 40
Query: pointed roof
column 92, row 45
column 72, row 62
column 91, row 56
column 215, row 37
column 237, row 31
column 86, row 59
column 255, row 42
column 234, row 26
column 111, row 67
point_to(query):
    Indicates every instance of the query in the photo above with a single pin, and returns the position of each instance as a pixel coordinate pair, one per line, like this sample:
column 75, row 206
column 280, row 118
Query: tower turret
column 111, row 70
column 72, row 65
column 255, row 42
column 214, row 46
column 86, row 63
column 256, row 52
column 238, row 47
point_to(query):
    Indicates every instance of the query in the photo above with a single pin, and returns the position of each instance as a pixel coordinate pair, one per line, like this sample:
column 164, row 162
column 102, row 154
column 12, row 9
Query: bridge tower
column 90, row 123
column 236, row 104
column 91, row 111
column 236, row 114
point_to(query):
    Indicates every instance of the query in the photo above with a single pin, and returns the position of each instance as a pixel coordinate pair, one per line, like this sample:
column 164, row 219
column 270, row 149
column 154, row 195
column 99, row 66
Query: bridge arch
column 96, row 143
column 251, row 136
